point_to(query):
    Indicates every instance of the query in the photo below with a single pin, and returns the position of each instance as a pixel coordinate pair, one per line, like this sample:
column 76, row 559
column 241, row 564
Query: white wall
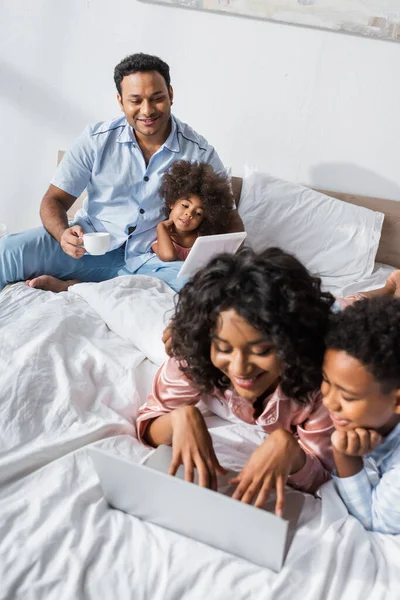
column 308, row 105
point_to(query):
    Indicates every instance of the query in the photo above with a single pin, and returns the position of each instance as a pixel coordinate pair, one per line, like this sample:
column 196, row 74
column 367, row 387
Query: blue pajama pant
column 35, row 252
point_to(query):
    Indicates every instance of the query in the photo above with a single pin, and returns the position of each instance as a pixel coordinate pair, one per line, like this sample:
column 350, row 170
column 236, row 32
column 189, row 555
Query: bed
column 75, row 367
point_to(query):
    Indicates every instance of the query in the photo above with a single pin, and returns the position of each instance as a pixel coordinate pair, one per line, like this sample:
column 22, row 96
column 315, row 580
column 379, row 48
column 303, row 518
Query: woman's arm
column 170, row 417
column 314, row 437
column 192, row 446
column 171, row 390
column 164, row 248
column 158, row 431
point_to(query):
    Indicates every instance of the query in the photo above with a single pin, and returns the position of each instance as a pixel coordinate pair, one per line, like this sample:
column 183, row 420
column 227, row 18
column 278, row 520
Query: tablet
column 208, row 246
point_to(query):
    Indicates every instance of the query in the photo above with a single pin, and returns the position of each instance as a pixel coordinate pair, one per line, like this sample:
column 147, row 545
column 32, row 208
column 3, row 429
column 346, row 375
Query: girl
column 361, row 389
column 248, row 340
column 198, row 202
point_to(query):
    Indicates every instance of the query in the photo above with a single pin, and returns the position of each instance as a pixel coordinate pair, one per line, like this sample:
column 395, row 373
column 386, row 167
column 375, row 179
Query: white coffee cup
column 96, row 243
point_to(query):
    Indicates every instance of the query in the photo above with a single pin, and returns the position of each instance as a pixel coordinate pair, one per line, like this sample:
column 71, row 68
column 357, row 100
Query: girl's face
column 187, row 214
column 354, row 397
column 245, row 356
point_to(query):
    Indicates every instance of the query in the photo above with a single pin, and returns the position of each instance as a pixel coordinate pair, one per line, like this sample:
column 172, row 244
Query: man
column 120, row 163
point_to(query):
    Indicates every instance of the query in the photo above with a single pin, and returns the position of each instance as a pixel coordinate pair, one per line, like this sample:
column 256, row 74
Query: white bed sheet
column 74, row 370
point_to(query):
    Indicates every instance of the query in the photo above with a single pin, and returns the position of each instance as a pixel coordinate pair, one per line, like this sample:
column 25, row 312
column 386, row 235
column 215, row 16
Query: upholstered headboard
column 389, row 245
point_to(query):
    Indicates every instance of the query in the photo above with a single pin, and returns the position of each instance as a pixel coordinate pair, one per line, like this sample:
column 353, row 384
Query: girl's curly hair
column 276, row 295
column 185, row 178
column 370, row 332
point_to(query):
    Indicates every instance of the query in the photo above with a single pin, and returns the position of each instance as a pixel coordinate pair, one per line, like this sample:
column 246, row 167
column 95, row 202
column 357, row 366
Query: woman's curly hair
column 185, row 178
column 369, row 331
column 276, row 295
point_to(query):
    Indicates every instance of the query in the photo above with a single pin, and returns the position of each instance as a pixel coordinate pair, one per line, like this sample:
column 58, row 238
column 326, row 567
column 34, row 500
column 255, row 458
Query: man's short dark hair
column 140, row 63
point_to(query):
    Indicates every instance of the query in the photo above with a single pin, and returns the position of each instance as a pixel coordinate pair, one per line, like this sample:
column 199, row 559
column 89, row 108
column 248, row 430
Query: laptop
column 148, row 492
column 208, row 246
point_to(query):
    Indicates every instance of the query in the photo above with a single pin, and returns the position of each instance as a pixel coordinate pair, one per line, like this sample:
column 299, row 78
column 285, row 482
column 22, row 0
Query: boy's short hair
column 369, row 331
column 185, row 178
column 140, row 63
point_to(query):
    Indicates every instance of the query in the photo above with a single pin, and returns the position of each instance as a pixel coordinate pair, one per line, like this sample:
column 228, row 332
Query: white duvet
column 74, row 367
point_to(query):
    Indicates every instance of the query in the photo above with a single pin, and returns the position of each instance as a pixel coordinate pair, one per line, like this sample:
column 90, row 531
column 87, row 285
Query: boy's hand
column 269, row 467
column 356, row 442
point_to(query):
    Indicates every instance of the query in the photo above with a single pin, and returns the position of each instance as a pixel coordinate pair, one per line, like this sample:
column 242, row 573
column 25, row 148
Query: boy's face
column 354, row 397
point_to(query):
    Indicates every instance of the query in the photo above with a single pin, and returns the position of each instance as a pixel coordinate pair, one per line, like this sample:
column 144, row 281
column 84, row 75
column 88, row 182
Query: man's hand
column 192, row 446
column 356, row 442
column 269, row 467
column 71, row 241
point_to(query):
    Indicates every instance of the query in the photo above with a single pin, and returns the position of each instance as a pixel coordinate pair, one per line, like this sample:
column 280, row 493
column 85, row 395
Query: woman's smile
column 246, row 382
column 245, row 356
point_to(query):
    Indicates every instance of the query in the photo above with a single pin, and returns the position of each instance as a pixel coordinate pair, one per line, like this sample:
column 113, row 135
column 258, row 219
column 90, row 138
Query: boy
column 361, row 388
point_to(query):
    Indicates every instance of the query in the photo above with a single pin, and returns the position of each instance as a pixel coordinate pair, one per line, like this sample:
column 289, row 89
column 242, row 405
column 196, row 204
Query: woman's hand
column 269, row 467
column 192, row 447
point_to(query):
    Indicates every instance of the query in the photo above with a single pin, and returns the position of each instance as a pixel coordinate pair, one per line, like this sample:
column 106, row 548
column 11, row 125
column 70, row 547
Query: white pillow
column 335, row 240
column 136, row 307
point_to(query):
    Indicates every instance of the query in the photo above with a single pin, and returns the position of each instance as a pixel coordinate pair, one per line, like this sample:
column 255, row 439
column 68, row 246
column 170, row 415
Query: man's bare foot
column 50, row 283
